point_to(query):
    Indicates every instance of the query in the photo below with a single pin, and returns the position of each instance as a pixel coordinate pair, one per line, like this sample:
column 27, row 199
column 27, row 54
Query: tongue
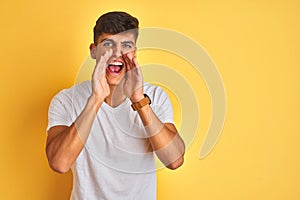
column 114, row 68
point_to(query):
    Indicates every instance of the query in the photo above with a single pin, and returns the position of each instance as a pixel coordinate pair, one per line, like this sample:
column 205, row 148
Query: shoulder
column 151, row 89
column 155, row 92
column 81, row 89
column 160, row 102
column 69, row 101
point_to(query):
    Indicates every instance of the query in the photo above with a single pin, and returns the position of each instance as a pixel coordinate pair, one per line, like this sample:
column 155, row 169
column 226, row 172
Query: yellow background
column 255, row 45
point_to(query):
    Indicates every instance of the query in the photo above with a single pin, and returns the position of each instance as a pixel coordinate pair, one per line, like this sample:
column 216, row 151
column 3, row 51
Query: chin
column 114, row 81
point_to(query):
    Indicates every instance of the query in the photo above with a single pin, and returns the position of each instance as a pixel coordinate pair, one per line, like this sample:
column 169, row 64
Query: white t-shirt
column 114, row 164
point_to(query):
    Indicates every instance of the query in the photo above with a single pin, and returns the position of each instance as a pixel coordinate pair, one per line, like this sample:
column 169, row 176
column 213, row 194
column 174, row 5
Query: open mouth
column 115, row 67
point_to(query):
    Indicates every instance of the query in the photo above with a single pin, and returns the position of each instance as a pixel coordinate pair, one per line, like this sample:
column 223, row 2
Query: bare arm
column 64, row 143
column 164, row 138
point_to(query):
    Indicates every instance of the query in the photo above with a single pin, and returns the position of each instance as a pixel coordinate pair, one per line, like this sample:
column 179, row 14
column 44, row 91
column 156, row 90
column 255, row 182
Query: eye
column 127, row 45
column 108, row 44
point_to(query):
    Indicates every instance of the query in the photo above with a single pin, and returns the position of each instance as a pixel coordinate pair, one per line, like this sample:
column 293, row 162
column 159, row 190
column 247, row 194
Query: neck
column 116, row 96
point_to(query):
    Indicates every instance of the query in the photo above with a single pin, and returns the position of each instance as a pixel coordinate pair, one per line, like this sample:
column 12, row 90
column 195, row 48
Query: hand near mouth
column 133, row 85
column 100, row 87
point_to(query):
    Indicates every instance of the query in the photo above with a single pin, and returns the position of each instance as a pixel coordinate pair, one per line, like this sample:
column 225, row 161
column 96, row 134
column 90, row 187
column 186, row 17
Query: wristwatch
column 138, row 105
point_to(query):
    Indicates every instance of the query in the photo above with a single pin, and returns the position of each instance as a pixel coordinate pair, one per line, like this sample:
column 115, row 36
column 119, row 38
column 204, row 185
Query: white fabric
column 114, row 164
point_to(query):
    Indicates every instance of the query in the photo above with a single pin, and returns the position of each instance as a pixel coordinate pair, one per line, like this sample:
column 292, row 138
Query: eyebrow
column 111, row 40
column 128, row 42
column 107, row 39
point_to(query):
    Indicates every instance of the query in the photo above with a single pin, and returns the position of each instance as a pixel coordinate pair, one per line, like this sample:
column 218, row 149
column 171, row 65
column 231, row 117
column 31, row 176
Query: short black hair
column 115, row 22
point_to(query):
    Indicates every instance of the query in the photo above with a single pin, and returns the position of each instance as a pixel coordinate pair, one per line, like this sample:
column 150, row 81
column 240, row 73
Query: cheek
column 100, row 52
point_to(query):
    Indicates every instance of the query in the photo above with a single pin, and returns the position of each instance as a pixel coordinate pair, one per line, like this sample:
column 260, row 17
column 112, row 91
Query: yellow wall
column 255, row 45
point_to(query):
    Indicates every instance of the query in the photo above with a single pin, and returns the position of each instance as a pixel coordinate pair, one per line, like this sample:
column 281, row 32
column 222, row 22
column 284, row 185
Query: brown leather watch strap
column 138, row 105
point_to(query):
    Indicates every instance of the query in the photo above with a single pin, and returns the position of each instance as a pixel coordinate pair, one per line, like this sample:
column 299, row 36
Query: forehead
column 120, row 37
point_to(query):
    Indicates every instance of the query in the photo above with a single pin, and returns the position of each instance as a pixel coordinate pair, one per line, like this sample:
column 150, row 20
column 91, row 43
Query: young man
column 107, row 129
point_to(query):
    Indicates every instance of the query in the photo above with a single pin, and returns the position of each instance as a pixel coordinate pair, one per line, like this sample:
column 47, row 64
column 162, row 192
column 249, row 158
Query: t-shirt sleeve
column 162, row 106
column 60, row 111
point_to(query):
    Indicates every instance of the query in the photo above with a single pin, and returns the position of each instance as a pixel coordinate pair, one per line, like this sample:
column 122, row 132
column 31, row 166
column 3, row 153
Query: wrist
column 136, row 106
column 136, row 98
column 96, row 101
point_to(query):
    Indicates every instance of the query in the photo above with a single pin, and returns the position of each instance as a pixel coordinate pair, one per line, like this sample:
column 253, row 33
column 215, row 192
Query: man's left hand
column 133, row 85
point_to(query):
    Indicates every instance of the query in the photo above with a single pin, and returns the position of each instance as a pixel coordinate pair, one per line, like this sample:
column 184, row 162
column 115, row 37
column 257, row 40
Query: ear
column 93, row 50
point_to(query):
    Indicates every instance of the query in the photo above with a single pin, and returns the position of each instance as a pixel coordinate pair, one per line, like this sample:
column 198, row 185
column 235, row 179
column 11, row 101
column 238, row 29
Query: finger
column 103, row 82
column 104, row 59
column 130, row 56
column 96, row 71
column 108, row 54
column 102, row 64
column 127, row 62
column 137, row 66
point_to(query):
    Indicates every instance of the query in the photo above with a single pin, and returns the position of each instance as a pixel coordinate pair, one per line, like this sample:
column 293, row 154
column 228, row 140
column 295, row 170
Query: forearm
column 164, row 138
column 65, row 144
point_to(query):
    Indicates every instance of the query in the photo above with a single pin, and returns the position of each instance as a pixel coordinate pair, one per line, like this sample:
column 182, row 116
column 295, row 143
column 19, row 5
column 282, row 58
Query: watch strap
column 138, row 105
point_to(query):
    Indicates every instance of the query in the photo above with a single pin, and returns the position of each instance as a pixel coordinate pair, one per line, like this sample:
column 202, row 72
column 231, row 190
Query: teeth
column 116, row 63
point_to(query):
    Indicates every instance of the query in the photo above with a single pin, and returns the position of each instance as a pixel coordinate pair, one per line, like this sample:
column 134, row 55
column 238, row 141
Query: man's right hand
column 100, row 87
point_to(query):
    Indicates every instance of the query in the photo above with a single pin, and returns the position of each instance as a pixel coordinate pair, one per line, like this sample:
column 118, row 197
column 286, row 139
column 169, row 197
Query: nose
column 117, row 51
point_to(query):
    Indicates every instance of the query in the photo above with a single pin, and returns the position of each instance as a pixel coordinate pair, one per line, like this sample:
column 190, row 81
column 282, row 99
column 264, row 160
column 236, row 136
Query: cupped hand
column 133, row 85
column 100, row 87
